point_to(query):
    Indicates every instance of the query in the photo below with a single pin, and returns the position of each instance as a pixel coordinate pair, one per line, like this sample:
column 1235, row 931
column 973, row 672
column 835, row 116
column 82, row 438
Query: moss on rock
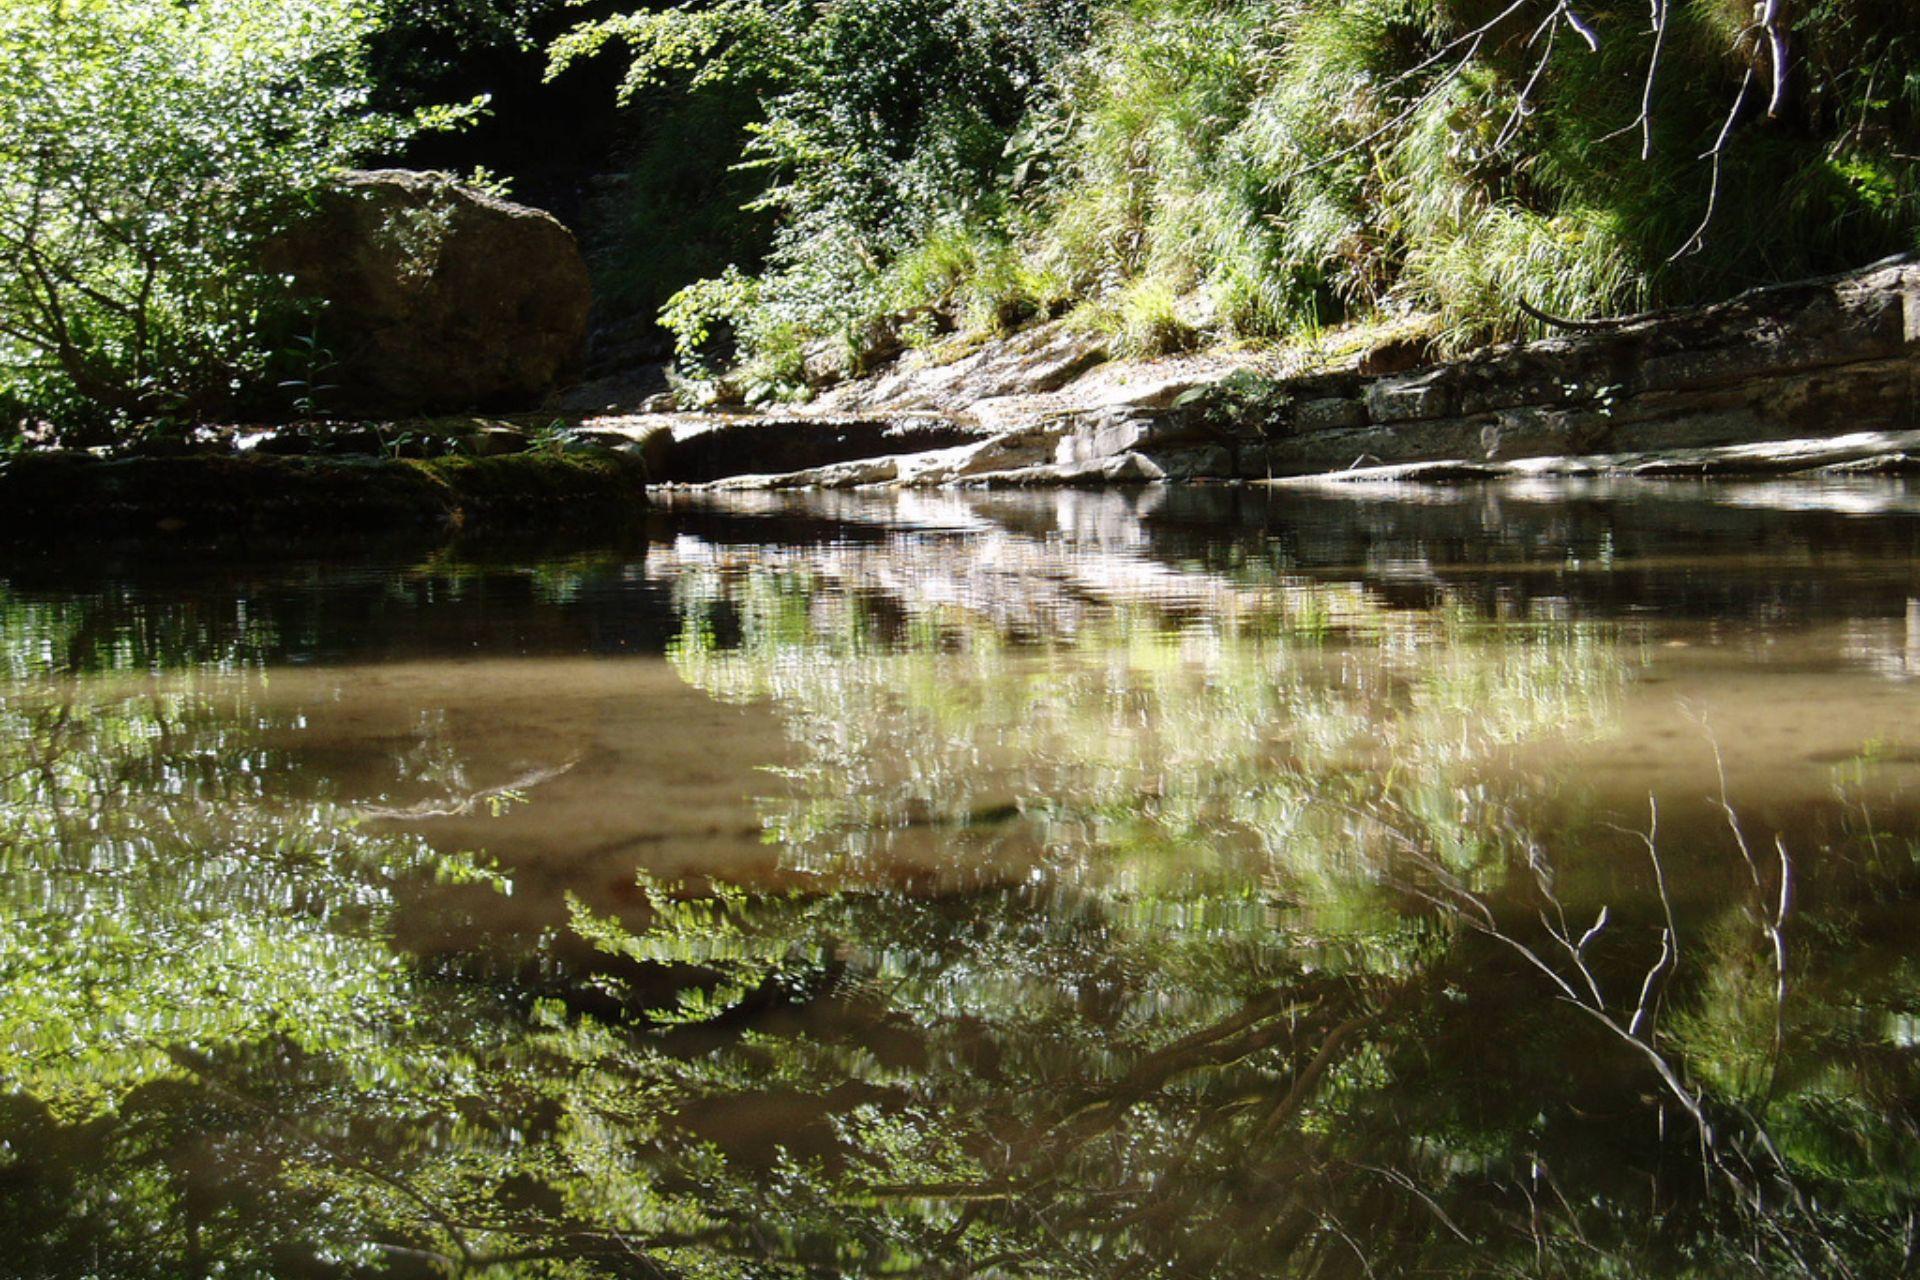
column 75, row 495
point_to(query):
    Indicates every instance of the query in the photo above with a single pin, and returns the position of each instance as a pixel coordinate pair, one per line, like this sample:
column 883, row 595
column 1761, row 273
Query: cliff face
column 1677, row 392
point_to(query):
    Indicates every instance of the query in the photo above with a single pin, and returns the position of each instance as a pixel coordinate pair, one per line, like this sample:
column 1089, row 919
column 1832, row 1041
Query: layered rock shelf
column 1815, row 378
column 224, row 499
column 1802, row 377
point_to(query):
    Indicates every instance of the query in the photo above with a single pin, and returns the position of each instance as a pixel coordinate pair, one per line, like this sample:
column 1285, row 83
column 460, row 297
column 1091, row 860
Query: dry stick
column 457, row 806
column 1774, row 927
column 1696, row 241
column 1402, row 1180
column 1644, row 121
column 1522, row 104
column 1689, row 1100
column 1564, row 933
column 1533, row 1225
column 1692, row 1101
column 1333, row 1224
column 1566, row 1206
column 1777, row 933
column 1776, row 34
column 1669, row 936
column 1580, row 26
column 1653, row 69
column 1488, row 925
column 1475, row 912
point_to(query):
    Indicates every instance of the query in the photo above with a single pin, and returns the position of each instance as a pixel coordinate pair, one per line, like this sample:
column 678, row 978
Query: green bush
column 147, row 147
column 879, row 125
column 1226, row 169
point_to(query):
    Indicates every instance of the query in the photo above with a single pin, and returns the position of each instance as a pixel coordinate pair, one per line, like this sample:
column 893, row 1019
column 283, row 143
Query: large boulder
column 437, row 296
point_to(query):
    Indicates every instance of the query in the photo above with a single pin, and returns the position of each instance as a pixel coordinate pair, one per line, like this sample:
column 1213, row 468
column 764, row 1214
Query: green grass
column 1224, row 170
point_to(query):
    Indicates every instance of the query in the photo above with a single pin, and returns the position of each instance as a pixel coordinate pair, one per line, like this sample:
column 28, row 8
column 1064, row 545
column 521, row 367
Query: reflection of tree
column 161, row 908
column 1110, row 950
column 1223, row 1029
column 1044, row 1078
column 1127, row 736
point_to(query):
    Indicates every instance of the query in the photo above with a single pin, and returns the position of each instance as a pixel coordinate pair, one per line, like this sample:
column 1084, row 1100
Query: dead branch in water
column 1745, row 1159
column 460, row 806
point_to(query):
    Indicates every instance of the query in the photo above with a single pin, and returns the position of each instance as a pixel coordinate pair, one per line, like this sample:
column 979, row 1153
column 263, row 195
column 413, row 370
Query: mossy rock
column 1244, row 404
column 217, row 496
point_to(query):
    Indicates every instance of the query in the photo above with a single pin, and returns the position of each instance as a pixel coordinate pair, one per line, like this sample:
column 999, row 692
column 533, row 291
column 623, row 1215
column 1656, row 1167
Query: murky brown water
column 1210, row 883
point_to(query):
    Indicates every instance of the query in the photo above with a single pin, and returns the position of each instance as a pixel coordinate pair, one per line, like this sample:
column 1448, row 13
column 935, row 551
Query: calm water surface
column 1207, row 883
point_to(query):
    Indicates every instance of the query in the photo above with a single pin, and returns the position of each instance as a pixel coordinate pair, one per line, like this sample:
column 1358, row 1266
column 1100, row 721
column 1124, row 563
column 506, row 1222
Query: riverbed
column 1481, row 880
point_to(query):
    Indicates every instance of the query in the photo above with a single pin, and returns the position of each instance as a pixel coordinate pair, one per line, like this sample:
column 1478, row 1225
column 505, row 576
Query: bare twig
column 1694, row 242
column 460, row 806
column 1523, row 104
column 1773, row 24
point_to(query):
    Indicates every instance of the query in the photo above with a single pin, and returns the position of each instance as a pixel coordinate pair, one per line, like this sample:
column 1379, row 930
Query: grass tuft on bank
column 1178, row 172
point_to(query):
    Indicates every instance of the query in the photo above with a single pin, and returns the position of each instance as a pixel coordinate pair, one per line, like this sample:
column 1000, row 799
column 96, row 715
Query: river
column 1215, row 882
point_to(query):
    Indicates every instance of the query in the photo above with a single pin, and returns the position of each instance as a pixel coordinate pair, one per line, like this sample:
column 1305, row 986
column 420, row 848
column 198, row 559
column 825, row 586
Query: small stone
column 1413, row 399
column 1331, row 415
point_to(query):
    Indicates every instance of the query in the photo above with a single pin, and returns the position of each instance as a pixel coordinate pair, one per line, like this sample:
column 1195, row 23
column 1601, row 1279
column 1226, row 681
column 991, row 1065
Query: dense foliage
column 879, row 124
column 146, row 149
column 811, row 185
column 1183, row 169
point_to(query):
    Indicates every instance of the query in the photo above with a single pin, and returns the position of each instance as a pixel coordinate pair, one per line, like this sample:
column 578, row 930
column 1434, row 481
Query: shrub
column 1304, row 159
column 146, row 149
column 1271, row 165
column 881, row 124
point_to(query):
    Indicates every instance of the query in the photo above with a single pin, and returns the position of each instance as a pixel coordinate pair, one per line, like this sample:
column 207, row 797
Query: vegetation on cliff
column 795, row 182
column 1184, row 170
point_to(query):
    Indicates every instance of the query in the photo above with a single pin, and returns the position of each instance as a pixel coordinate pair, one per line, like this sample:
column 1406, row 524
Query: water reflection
column 1141, row 740
column 1097, row 886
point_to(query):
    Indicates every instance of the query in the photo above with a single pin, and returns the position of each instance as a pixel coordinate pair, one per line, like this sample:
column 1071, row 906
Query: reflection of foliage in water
column 1219, row 993
column 161, row 908
column 1188, row 1016
column 1132, row 737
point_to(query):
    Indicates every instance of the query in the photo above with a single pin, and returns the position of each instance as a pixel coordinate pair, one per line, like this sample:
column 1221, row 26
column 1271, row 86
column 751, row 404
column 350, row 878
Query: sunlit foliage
column 880, row 123
column 1191, row 169
column 147, row 148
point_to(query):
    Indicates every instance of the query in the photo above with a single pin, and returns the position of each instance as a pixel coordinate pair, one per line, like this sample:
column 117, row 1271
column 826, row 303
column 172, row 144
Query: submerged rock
column 436, row 296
